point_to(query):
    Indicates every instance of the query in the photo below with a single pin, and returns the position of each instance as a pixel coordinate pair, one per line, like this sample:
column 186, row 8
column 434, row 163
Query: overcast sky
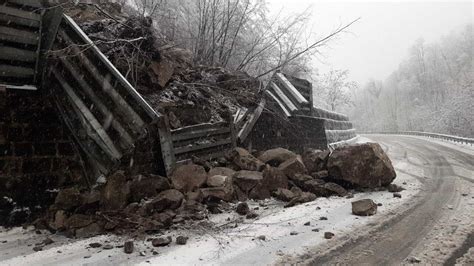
column 378, row 42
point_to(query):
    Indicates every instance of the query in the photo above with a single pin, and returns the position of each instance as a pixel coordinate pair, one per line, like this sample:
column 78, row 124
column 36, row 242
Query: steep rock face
column 365, row 165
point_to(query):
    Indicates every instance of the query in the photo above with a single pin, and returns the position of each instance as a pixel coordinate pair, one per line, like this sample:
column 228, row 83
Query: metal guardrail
column 104, row 113
column 429, row 135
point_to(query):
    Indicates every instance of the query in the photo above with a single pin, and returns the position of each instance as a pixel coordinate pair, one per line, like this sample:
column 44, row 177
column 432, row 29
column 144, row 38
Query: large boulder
column 364, row 165
column 147, row 187
column 246, row 161
column 276, row 156
column 364, row 207
column 168, row 199
column 292, row 167
column 315, row 160
column 116, row 192
column 188, row 177
column 273, row 178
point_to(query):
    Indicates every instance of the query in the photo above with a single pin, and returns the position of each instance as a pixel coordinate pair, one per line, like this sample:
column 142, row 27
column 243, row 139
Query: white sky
column 376, row 45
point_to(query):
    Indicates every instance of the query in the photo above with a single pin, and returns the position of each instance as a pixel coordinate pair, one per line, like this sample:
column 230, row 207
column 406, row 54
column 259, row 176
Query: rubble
column 315, row 160
column 147, row 204
column 364, row 207
column 246, row 161
column 188, row 177
column 181, row 240
column 275, row 157
column 242, row 208
column 161, row 241
column 128, row 247
column 328, row 235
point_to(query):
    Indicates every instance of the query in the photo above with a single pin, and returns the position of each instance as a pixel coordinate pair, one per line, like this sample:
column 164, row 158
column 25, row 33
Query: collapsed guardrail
column 205, row 141
column 429, row 135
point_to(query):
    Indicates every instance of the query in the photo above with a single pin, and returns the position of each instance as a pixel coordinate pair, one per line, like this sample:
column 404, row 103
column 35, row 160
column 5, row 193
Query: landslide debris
column 146, row 204
column 163, row 73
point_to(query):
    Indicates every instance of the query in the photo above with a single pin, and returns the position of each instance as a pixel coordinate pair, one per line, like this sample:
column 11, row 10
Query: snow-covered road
column 431, row 222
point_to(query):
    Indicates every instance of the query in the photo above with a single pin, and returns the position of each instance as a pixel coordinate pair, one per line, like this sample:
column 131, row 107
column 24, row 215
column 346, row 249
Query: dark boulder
column 116, row 192
column 364, row 165
column 147, row 186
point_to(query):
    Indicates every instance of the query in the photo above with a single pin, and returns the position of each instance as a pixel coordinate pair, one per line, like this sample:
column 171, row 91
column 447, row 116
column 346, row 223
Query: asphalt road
column 392, row 243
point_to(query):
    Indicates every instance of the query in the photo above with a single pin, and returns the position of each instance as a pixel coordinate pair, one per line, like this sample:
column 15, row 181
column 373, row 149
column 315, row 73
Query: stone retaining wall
column 36, row 153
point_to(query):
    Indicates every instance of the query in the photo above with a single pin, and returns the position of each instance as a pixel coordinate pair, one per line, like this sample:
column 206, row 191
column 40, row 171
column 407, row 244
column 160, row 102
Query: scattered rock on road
column 108, row 246
column 161, row 241
column 328, row 235
column 251, row 215
column 293, row 233
column 414, row 260
column 394, row 188
column 128, row 247
column 364, row 207
column 242, row 208
column 397, row 195
column 95, row 245
column 181, row 240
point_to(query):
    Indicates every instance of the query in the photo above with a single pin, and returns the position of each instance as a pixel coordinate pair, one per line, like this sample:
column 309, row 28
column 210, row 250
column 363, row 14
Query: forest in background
column 431, row 91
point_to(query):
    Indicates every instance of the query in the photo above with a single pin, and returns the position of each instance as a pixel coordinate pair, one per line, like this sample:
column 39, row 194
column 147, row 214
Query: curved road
column 394, row 241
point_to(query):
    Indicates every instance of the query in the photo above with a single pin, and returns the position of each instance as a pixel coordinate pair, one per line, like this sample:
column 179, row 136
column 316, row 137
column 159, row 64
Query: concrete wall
column 36, row 153
column 296, row 133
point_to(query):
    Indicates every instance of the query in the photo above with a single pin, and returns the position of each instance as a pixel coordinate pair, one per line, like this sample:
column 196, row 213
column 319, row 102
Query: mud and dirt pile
column 145, row 204
column 165, row 74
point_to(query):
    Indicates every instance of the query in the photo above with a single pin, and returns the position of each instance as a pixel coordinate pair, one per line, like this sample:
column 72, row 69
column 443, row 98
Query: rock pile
column 150, row 203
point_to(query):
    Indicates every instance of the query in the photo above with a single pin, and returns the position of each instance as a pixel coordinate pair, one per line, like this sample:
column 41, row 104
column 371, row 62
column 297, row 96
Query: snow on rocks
column 364, row 207
column 362, row 165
